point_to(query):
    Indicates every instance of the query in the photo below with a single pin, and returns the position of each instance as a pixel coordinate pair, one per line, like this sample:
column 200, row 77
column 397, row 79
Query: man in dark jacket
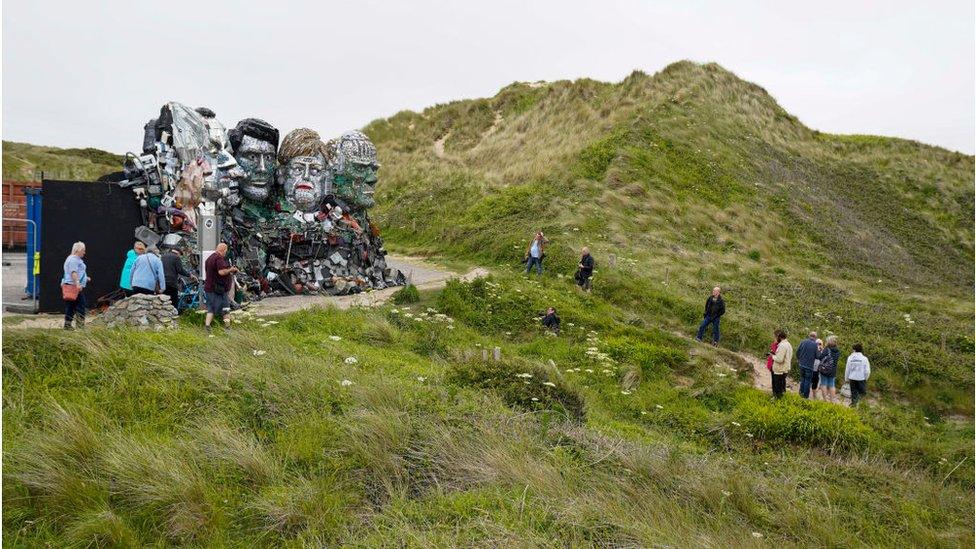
column 173, row 269
column 714, row 309
column 585, row 272
column 806, row 353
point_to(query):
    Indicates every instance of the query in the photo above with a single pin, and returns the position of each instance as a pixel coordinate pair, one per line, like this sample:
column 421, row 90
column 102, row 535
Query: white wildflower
column 726, row 493
column 256, row 352
column 524, row 375
column 421, row 379
column 335, row 338
column 659, row 407
column 737, row 424
column 757, row 535
column 625, row 392
column 351, row 360
column 534, row 399
column 549, row 384
column 345, row 383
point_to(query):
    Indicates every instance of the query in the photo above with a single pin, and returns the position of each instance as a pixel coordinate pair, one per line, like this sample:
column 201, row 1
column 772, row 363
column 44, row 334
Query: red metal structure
column 15, row 207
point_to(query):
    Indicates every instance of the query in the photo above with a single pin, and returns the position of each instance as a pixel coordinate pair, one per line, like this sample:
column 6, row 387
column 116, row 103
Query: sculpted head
column 255, row 143
column 304, row 172
column 353, row 167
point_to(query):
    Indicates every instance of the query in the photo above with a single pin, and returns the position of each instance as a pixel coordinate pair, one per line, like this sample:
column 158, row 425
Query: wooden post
column 612, row 260
column 498, row 353
column 484, row 355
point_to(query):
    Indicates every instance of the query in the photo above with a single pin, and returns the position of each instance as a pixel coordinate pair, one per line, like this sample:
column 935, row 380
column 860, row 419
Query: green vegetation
column 387, row 426
column 693, row 177
column 25, row 162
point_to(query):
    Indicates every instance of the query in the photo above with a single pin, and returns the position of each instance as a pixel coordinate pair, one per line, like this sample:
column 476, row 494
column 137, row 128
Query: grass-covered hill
column 385, row 427
column 25, row 162
column 694, row 177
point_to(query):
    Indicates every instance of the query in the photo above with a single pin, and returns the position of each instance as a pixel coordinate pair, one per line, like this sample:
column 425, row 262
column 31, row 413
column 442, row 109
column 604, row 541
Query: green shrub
column 796, row 420
column 406, row 294
column 520, row 385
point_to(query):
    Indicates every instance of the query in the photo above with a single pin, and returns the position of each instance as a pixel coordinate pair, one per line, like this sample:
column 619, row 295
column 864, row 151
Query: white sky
column 90, row 73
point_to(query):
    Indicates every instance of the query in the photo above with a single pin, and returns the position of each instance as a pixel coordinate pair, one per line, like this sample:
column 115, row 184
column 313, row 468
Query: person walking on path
column 806, row 354
column 857, row 372
column 125, row 281
column 829, row 358
column 173, row 269
column 147, row 274
column 585, row 272
column 714, row 309
column 218, row 274
column 815, row 377
column 73, row 287
column 781, row 363
column 536, row 252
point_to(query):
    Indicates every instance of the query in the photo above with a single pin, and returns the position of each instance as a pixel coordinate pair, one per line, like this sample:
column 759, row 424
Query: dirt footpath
column 423, row 274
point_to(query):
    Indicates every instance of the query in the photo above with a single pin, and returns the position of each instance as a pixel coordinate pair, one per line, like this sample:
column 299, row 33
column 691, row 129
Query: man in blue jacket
column 147, row 274
column 806, row 353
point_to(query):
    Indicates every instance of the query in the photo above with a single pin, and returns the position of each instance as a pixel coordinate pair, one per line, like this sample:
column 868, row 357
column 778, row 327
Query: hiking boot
column 80, row 322
column 208, row 329
column 67, row 325
column 715, row 344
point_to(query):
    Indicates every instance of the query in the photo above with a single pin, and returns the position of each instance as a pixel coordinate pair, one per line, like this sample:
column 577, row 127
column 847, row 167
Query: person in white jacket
column 857, row 372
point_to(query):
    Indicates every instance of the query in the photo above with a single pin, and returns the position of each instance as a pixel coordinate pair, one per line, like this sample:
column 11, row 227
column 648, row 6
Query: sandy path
column 439, row 145
column 421, row 273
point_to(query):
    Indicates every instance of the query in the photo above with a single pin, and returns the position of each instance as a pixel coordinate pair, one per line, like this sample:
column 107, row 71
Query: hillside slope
column 25, row 162
column 693, row 177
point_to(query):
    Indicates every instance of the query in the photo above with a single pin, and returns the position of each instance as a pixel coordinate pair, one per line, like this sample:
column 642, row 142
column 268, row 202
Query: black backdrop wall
column 103, row 216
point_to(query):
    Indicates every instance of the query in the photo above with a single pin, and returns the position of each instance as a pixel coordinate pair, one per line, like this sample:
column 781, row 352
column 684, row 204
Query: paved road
column 14, row 279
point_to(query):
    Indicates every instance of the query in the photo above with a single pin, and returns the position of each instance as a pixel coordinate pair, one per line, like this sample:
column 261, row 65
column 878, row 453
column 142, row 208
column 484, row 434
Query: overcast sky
column 79, row 73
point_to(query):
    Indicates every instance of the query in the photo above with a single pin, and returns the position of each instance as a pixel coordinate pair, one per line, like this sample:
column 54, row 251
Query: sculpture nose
column 261, row 163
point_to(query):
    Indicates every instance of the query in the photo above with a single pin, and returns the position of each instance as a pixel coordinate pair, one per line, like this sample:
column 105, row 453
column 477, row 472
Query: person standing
column 125, row 281
column 73, row 287
column 781, row 363
column 714, row 309
column 815, row 376
column 218, row 273
column 173, row 269
column 806, row 354
column 585, row 272
column 857, row 372
column 147, row 273
column 536, row 252
column 829, row 358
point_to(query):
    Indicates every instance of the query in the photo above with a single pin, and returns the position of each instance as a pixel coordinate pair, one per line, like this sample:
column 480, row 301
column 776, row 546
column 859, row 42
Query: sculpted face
column 304, row 181
column 257, row 159
column 355, row 166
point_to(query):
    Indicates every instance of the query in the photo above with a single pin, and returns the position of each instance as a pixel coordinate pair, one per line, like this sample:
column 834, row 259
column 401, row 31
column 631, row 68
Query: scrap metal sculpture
column 295, row 217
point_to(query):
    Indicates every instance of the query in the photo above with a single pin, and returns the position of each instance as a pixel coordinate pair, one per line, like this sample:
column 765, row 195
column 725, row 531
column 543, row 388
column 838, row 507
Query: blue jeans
column 715, row 330
column 806, row 379
column 537, row 261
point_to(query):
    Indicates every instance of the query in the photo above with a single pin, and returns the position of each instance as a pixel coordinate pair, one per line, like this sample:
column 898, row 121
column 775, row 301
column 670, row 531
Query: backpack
column 828, row 367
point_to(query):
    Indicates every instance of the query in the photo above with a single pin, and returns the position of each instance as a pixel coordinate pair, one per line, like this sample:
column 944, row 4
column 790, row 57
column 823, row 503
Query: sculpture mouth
column 304, row 186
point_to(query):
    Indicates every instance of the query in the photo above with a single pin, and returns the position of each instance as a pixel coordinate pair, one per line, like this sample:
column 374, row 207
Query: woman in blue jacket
column 125, row 281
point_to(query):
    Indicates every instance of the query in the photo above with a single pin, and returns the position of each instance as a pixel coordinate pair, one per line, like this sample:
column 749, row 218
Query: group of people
column 536, row 252
column 818, row 359
column 818, row 362
column 145, row 272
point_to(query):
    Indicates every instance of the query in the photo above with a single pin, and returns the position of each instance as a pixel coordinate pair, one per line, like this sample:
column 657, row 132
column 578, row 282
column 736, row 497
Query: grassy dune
column 611, row 434
column 25, row 162
column 693, row 177
column 385, row 427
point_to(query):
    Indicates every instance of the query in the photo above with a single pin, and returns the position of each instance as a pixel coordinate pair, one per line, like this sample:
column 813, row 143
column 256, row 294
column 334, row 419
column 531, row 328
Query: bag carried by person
column 827, row 365
column 845, row 390
column 69, row 292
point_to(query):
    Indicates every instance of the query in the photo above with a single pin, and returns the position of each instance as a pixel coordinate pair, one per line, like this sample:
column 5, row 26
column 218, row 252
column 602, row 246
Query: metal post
column 30, row 259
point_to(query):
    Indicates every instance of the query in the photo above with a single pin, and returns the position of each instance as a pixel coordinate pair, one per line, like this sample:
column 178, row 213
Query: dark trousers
column 806, row 378
column 859, row 388
column 137, row 290
column 779, row 385
column 537, row 261
column 77, row 307
column 715, row 329
column 174, row 294
column 814, row 380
